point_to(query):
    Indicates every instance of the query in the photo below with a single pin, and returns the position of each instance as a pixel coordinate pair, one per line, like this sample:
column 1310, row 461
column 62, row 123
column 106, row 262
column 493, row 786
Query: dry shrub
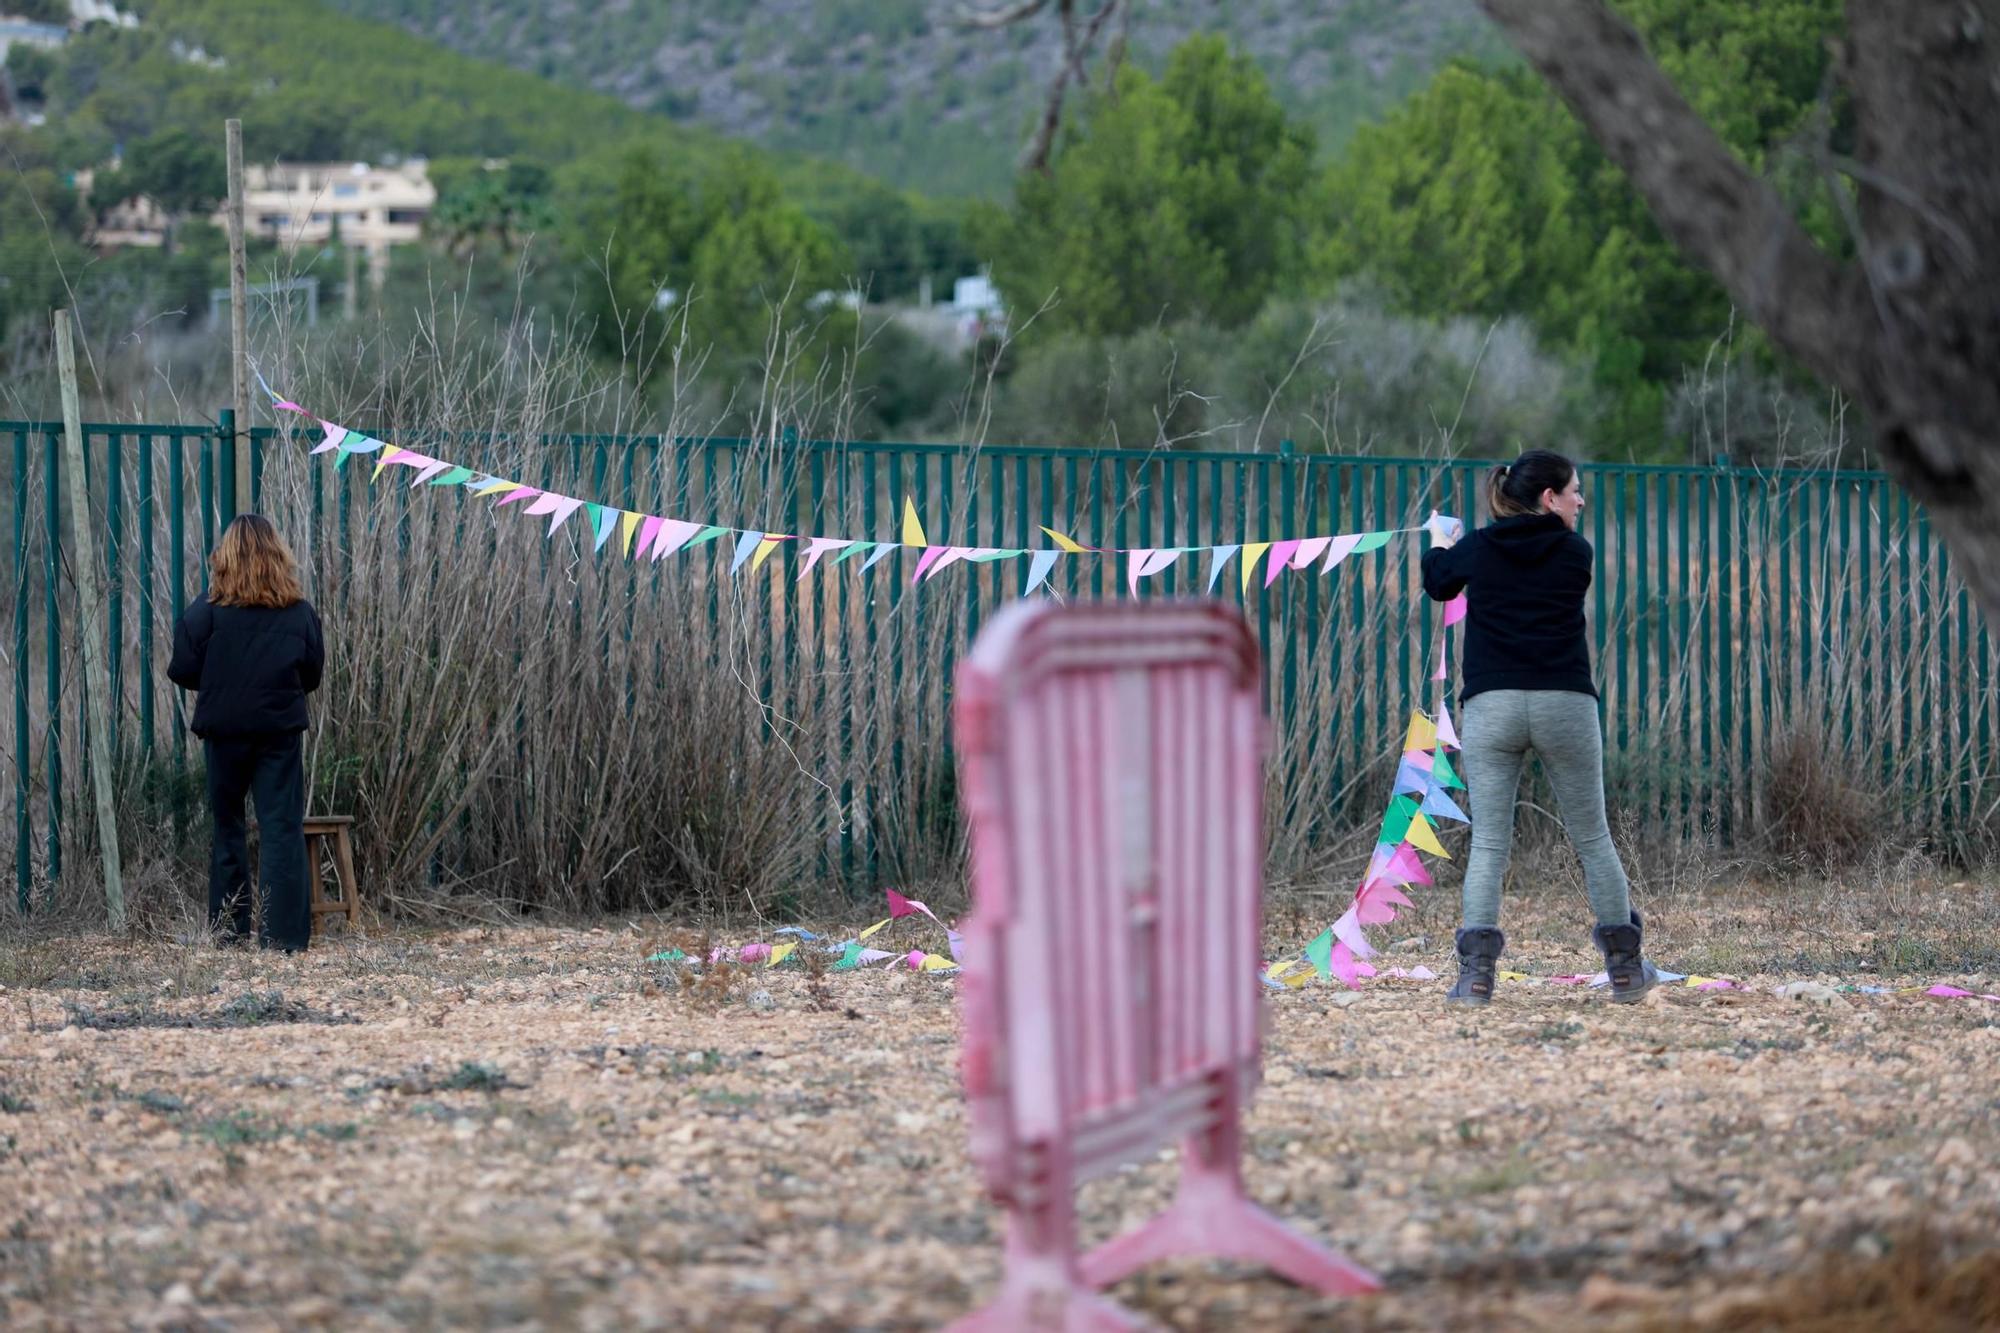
column 1817, row 812
column 1921, row 1285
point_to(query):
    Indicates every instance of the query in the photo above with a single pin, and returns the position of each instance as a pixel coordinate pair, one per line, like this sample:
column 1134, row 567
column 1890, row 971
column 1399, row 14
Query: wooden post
column 239, row 316
column 90, row 623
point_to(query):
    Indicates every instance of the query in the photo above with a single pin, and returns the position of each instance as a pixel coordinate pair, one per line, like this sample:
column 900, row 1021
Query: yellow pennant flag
column 498, row 488
column 937, row 963
column 1251, row 555
column 383, row 459
column 764, row 549
column 1062, row 542
column 877, row 926
column 1423, row 734
column 1298, row 979
column 1515, row 976
column 913, row 530
column 1277, row 971
column 780, row 952
column 1423, row 839
column 628, row 524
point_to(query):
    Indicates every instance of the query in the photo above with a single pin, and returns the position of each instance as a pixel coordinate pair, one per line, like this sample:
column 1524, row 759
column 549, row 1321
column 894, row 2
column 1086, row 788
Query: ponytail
column 1513, row 490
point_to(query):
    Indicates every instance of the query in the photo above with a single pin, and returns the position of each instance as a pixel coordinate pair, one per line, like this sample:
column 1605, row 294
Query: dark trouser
column 271, row 770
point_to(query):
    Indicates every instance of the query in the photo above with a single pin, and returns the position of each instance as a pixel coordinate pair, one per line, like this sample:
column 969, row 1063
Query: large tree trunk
column 1912, row 330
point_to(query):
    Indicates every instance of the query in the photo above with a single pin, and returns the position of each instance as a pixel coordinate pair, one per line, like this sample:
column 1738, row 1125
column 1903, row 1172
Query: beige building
column 373, row 208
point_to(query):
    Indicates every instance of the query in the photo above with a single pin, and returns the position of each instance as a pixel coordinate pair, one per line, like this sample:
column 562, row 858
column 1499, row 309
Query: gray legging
column 1501, row 726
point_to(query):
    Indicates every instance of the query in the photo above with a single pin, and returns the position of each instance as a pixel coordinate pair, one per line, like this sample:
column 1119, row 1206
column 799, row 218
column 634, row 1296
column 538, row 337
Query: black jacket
column 1524, row 580
column 251, row 666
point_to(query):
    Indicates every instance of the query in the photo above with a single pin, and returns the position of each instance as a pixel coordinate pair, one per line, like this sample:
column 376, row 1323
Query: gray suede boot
column 1624, row 960
column 1479, row 950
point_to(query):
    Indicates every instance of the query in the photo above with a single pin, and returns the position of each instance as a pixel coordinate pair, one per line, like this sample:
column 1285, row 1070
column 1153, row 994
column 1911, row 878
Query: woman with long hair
column 1527, row 686
column 250, row 648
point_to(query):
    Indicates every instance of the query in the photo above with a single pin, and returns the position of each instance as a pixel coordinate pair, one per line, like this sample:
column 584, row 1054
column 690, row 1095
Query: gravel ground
column 538, row 1128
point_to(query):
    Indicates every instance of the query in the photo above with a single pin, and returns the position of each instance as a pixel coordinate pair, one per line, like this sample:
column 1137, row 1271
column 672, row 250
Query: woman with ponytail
column 1527, row 686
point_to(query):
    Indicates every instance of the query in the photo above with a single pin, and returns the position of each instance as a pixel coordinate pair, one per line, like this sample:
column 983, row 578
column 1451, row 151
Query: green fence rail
column 1734, row 610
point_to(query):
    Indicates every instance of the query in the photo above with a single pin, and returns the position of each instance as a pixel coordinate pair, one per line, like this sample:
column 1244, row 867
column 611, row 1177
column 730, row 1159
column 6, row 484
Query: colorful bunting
column 1320, row 953
column 1038, row 570
column 1447, row 737
column 1280, row 561
column 1421, row 836
column 1218, row 556
column 1252, row 553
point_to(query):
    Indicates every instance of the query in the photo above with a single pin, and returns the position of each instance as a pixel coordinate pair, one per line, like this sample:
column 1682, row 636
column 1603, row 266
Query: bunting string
column 652, row 537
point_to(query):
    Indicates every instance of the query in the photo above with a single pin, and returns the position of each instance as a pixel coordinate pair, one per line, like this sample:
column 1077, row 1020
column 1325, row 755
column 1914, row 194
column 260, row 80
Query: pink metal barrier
column 1112, row 763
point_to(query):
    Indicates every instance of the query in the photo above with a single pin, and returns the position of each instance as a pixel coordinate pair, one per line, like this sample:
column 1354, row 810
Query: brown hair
column 1514, row 489
column 252, row 566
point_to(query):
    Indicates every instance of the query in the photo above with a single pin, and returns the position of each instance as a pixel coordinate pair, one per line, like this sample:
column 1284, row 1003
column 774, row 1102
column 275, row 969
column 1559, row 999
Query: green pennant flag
column 1320, row 953
column 707, row 534
column 1396, row 823
column 1371, row 541
column 667, row 957
column 1446, row 775
column 458, row 476
column 851, row 959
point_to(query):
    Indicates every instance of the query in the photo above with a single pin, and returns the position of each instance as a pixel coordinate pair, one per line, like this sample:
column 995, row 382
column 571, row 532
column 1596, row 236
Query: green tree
column 1179, row 197
column 501, row 207
column 1483, row 195
column 721, row 248
column 40, row 219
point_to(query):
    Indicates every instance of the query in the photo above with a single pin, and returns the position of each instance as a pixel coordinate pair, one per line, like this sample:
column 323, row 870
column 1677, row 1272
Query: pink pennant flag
column 1347, row 967
column 649, row 532
column 1145, row 562
column 1310, row 549
column 1957, row 993
column 931, row 555
column 951, row 555
column 429, row 470
column 818, row 547
column 287, row 405
column 753, row 953
column 1279, row 560
column 1406, row 867
column 915, row 958
column 1377, row 902
column 331, row 440
column 557, row 507
column 1440, row 673
column 1337, row 550
column 511, row 497
column 673, row 535
column 1447, row 734
column 1454, row 611
column 1348, row 931
column 899, row 905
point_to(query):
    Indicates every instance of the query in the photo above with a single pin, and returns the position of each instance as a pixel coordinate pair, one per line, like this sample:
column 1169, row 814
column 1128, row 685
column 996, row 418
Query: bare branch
column 1002, row 18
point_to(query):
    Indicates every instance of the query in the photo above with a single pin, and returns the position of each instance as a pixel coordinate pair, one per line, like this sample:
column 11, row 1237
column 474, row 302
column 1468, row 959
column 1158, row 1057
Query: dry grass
column 538, row 1125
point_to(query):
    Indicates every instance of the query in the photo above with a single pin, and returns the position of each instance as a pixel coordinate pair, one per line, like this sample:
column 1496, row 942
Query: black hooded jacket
column 251, row 666
column 1524, row 579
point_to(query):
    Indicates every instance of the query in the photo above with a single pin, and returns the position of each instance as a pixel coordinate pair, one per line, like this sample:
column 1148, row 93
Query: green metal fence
column 1733, row 609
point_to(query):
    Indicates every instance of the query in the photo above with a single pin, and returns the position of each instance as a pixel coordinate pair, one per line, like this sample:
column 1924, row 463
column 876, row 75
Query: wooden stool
column 319, row 827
